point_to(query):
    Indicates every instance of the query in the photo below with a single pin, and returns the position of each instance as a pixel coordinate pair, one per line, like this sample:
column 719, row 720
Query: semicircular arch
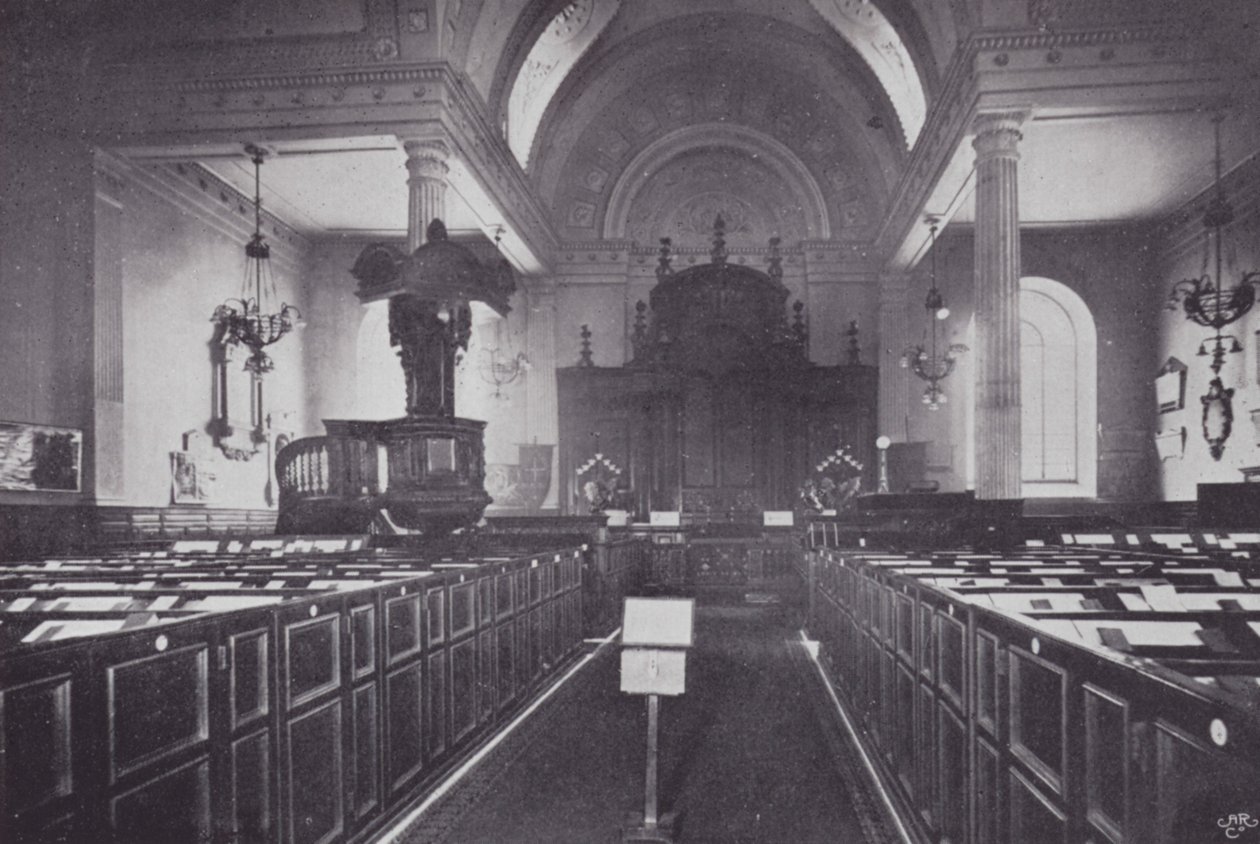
column 775, row 156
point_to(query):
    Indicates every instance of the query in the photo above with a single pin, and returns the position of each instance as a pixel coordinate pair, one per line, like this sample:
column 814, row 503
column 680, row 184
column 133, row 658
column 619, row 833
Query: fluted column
column 894, row 404
column 997, row 410
column 426, row 187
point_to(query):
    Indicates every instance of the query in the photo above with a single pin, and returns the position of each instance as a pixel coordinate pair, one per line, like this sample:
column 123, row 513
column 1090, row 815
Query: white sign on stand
column 654, row 633
column 658, row 622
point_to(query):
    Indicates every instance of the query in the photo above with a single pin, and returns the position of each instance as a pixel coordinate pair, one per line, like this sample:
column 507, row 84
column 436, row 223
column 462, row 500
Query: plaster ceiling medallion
column 568, row 23
column 696, row 215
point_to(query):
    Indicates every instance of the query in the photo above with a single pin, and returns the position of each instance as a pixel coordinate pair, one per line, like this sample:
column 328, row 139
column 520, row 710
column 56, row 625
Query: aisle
column 743, row 758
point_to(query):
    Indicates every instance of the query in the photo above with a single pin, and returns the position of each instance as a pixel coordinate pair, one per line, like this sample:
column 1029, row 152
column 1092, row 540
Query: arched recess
column 567, row 37
column 769, row 153
column 1058, row 391
column 868, row 31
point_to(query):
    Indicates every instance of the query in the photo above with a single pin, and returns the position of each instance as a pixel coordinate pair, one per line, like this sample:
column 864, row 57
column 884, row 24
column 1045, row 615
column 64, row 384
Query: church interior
column 387, row 383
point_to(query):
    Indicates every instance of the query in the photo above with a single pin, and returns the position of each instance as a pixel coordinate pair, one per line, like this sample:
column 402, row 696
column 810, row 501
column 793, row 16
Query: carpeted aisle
column 743, row 758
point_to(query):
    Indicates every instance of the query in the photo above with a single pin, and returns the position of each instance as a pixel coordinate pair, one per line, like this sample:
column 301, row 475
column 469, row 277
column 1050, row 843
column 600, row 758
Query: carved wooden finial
column 799, row 332
column 663, row 269
column 585, row 359
column 435, row 231
column 855, row 352
column 718, row 253
column 776, row 261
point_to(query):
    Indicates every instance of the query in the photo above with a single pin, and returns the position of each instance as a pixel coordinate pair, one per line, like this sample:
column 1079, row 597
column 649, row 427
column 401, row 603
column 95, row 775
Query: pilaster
column 894, row 404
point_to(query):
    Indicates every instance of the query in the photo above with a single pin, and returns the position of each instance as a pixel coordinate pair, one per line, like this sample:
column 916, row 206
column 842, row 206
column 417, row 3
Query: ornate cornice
column 954, row 109
column 1040, row 40
column 377, row 41
column 204, row 196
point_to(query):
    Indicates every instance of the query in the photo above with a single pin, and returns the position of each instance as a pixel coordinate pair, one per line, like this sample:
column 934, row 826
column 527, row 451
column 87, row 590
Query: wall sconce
column 1218, row 416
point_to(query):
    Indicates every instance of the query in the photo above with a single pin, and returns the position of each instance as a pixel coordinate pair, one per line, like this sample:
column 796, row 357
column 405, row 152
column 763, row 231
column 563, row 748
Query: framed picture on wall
column 1170, row 386
column 40, row 458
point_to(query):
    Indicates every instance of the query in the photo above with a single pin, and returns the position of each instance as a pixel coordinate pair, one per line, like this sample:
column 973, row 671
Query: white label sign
column 658, row 622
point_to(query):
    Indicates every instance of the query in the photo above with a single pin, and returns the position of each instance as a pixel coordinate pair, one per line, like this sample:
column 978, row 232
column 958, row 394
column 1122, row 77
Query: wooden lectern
column 655, row 633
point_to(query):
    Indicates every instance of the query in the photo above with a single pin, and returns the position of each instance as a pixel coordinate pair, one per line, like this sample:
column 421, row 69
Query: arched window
column 1058, row 391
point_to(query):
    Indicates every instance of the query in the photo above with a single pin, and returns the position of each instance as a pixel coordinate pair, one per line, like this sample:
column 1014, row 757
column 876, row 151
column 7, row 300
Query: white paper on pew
column 52, row 631
column 1255, row 626
column 1245, row 537
column 1228, row 578
column 1212, row 600
column 1034, row 543
column 1060, row 627
column 195, row 546
column 212, row 584
column 1175, row 634
column 330, row 545
column 1162, row 597
column 1132, row 539
column 1095, row 538
column 266, row 544
column 274, row 584
column 213, row 603
column 1228, row 544
column 235, row 546
column 1210, row 538
column 1133, row 602
column 163, row 602
column 1172, row 539
column 20, row 604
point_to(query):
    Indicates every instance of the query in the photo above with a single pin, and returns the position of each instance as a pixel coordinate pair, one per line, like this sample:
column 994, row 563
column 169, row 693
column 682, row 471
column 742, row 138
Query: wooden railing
column 316, row 467
column 427, row 473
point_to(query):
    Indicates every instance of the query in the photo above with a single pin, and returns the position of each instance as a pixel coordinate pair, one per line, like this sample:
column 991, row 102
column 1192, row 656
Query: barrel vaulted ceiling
column 634, row 119
column 640, row 119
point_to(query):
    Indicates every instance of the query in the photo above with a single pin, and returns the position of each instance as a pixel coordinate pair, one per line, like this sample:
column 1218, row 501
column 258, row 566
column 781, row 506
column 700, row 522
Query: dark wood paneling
column 173, row 806
column 314, row 772
column 36, row 743
column 404, row 748
column 158, row 706
column 252, row 776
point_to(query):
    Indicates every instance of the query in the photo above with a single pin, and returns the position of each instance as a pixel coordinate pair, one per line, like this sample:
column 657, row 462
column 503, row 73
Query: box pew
column 998, row 720
column 308, row 702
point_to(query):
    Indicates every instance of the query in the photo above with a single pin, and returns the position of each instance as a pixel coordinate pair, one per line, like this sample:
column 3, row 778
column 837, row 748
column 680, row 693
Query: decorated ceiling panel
column 595, row 137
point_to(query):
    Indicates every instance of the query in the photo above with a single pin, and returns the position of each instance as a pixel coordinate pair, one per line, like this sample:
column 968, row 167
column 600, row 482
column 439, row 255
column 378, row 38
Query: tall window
column 1058, row 391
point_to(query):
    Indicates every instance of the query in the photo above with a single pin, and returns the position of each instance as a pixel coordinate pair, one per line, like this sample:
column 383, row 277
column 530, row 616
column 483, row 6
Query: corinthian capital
column 426, row 159
column 998, row 134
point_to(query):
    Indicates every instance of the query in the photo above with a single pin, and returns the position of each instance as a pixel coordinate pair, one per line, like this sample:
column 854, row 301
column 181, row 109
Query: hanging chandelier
column 1207, row 300
column 251, row 320
column 932, row 363
column 500, row 370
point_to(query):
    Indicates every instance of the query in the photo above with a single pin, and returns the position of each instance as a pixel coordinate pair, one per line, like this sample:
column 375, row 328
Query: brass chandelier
column 250, row 319
column 1207, row 300
column 933, row 363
